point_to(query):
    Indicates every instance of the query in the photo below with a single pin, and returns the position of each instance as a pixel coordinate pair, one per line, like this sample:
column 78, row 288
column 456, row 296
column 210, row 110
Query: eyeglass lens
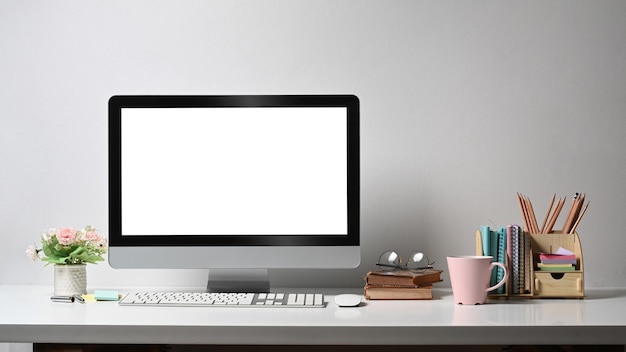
column 391, row 260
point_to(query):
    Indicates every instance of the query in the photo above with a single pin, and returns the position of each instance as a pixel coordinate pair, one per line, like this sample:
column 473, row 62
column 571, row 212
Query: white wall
column 16, row 347
column 463, row 105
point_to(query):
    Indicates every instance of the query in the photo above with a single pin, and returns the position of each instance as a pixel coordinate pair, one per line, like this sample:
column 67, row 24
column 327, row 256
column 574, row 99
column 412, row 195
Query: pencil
column 555, row 214
column 579, row 206
column 533, row 218
column 577, row 203
column 522, row 205
column 579, row 217
column 570, row 215
column 545, row 219
column 528, row 213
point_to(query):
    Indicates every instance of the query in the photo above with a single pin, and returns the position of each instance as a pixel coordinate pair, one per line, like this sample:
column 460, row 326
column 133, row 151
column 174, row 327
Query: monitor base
column 238, row 280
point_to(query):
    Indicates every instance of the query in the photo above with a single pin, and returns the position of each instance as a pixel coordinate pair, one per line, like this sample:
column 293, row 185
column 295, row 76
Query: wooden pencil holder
column 544, row 284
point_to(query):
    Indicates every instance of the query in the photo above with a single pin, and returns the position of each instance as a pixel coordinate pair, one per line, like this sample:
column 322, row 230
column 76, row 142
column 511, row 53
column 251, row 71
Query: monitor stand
column 238, row 280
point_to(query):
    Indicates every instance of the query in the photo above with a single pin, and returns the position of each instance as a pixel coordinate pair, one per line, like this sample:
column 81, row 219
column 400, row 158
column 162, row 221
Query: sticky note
column 563, row 251
column 102, row 295
column 89, row 298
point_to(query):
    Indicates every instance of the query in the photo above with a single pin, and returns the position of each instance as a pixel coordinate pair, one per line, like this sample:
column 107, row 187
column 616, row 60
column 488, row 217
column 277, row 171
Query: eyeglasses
column 390, row 260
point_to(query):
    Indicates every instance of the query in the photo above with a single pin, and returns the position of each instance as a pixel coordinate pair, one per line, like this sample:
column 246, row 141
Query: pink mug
column 469, row 277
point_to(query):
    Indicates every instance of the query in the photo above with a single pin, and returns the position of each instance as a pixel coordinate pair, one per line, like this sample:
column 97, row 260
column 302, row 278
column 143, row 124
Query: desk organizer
column 548, row 284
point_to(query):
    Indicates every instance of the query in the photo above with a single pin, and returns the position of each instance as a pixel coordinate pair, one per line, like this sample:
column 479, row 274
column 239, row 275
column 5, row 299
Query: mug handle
column 506, row 275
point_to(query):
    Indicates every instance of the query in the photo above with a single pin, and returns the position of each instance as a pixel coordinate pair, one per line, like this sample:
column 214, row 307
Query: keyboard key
column 295, row 300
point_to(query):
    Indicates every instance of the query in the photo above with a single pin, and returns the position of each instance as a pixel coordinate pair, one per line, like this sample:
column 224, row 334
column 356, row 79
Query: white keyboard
column 206, row 299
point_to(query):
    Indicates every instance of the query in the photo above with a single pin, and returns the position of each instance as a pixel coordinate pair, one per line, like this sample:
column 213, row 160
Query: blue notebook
column 485, row 239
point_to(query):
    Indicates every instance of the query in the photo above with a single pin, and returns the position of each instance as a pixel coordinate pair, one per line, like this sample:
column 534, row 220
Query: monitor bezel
column 119, row 102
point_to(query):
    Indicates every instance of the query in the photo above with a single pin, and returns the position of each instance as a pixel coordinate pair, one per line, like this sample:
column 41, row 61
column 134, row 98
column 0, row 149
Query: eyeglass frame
column 404, row 266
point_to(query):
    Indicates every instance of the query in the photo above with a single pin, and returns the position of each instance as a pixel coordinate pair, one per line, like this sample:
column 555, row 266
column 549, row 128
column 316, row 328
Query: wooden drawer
column 550, row 284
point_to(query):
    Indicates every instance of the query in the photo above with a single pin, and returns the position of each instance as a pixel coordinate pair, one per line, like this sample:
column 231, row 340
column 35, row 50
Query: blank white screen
column 230, row 171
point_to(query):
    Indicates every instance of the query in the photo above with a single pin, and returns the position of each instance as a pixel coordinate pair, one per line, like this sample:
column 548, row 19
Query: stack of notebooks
column 556, row 262
column 509, row 245
column 401, row 284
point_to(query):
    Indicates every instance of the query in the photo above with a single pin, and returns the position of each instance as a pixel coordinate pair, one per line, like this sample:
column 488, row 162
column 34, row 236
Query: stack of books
column 510, row 246
column 401, row 284
column 556, row 262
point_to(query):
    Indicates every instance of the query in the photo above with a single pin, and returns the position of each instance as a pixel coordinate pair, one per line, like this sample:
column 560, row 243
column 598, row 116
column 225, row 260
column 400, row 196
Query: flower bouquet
column 69, row 250
column 68, row 246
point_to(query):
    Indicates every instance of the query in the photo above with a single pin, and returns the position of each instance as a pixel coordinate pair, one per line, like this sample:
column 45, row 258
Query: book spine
column 515, row 261
column 509, row 256
column 527, row 263
column 493, row 236
column 373, row 293
column 501, row 255
column 522, row 262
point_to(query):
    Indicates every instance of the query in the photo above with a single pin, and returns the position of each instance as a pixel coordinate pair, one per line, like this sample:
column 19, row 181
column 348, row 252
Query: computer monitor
column 239, row 183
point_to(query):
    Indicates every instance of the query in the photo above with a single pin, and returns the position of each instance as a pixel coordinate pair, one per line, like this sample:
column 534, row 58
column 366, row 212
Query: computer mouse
column 348, row 300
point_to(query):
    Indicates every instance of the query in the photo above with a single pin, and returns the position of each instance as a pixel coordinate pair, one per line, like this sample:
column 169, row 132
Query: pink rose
column 92, row 236
column 66, row 236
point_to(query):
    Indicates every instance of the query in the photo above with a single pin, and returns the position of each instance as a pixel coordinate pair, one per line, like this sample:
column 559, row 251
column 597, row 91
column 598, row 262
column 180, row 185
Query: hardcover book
column 403, row 278
column 395, row 292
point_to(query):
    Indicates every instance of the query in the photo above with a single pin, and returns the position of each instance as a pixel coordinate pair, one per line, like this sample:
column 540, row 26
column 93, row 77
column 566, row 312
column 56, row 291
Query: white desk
column 28, row 315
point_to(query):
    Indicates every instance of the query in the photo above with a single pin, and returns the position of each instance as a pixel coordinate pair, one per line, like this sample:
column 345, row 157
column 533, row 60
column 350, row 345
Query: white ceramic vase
column 70, row 280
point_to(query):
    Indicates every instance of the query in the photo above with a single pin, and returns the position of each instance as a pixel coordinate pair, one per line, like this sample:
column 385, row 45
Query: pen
column 64, row 299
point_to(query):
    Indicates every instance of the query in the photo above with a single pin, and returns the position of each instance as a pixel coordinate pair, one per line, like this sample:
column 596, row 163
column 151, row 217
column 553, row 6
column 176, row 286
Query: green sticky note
column 102, row 295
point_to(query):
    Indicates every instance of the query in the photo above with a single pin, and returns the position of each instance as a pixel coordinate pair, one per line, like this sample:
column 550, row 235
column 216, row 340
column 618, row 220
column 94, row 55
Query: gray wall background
column 463, row 104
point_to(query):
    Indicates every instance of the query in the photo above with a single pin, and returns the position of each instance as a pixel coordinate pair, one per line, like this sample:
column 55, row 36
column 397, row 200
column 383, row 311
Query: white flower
column 32, row 253
column 47, row 236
